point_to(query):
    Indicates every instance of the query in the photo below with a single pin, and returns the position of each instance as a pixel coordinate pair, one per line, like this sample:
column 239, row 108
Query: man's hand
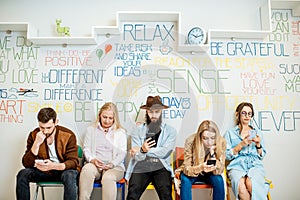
column 48, row 165
column 40, row 137
column 148, row 144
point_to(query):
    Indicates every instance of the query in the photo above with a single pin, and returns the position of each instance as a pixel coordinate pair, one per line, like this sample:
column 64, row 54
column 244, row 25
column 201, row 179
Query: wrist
column 258, row 146
column 142, row 150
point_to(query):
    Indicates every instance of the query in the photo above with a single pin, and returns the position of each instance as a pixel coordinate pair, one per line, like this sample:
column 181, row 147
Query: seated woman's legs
column 186, row 186
column 218, row 186
column 243, row 190
column 109, row 179
column 89, row 173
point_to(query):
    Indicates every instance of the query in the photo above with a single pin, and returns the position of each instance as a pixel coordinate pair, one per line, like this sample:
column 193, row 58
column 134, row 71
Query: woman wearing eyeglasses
column 245, row 152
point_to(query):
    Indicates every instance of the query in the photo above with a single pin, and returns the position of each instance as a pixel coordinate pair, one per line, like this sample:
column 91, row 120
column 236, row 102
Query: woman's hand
column 208, row 168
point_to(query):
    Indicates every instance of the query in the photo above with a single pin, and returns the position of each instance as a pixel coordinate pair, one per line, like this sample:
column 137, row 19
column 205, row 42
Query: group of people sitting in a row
column 51, row 155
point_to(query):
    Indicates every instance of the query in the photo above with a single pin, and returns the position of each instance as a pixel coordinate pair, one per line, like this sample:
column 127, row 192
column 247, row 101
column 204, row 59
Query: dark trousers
column 68, row 177
column 161, row 180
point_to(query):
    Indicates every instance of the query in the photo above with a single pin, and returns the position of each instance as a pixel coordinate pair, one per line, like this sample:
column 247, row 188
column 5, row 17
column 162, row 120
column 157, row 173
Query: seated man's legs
column 138, row 182
column 24, row 177
column 162, row 182
column 69, row 178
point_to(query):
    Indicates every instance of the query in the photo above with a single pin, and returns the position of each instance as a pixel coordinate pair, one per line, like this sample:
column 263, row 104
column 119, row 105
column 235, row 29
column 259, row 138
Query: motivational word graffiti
column 132, row 47
column 291, row 75
column 73, row 94
column 11, row 111
column 296, row 32
column 178, row 107
column 128, row 87
column 255, row 83
column 58, row 106
column 131, row 61
column 286, row 121
column 73, row 76
column 205, row 81
column 18, row 52
column 68, row 58
column 244, row 63
column 146, row 32
column 281, row 28
column 248, row 49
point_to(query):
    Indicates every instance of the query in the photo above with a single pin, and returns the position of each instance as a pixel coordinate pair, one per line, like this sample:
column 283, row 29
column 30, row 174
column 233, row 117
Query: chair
column 53, row 184
column 179, row 157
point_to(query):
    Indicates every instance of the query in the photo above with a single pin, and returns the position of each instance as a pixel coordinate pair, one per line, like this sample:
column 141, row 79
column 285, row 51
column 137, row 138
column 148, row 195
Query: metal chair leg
column 43, row 195
column 36, row 192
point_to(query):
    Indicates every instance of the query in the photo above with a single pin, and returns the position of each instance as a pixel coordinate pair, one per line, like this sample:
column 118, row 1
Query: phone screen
column 211, row 162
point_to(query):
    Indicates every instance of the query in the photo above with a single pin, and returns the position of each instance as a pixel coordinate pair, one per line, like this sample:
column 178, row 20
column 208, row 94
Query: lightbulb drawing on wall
column 165, row 49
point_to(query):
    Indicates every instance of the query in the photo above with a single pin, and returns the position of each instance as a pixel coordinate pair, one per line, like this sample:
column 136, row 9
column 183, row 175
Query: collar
column 102, row 129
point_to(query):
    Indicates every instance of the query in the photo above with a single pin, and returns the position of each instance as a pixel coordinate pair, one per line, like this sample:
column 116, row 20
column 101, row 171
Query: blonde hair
column 109, row 106
column 206, row 125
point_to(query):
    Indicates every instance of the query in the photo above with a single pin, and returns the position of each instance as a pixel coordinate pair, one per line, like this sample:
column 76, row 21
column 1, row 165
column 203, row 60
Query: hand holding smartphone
column 252, row 134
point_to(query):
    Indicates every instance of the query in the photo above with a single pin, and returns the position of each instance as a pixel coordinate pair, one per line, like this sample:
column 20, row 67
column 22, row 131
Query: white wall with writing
column 145, row 60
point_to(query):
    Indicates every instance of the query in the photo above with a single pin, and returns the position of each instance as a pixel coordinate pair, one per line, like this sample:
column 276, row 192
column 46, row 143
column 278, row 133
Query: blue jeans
column 215, row 180
column 69, row 178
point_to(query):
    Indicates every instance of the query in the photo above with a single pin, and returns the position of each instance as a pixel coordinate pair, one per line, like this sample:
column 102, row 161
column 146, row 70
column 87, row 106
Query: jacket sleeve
column 28, row 159
column 71, row 154
column 188, row 164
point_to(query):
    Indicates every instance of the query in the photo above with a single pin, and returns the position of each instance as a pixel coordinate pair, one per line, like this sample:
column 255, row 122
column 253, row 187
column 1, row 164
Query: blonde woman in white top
column 104, row 149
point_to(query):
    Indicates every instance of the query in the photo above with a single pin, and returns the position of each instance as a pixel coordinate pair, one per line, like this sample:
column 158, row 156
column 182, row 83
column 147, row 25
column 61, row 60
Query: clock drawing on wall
column 196, row 35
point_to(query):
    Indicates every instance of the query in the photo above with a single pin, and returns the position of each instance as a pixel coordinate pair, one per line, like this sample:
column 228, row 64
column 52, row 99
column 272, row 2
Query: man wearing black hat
column 152, row 145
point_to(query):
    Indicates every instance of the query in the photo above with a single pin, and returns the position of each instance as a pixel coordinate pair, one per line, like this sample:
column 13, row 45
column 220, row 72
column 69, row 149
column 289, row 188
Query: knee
column 218, row 180
column 69, row 175
column 185, row 180
column 108, row 178
column 23, row 174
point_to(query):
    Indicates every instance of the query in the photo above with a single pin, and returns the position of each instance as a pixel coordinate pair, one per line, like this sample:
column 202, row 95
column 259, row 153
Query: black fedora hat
column 154, row 103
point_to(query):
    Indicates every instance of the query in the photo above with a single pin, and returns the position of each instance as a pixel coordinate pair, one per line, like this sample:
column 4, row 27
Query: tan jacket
column 188, row 167
column 65, row 144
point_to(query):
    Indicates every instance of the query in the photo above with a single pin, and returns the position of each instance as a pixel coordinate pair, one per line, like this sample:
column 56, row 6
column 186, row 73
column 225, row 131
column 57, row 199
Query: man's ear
column 56, row 122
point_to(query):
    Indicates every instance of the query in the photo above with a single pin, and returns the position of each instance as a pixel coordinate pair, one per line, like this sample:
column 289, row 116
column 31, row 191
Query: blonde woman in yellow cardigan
column 199, row 151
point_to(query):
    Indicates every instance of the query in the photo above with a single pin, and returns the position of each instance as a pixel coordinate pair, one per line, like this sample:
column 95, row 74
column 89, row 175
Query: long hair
column 198, row 146
column 109, row 106
column 239, row 109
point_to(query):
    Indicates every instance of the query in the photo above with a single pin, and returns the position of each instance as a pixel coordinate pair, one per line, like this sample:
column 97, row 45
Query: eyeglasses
column 244, row 113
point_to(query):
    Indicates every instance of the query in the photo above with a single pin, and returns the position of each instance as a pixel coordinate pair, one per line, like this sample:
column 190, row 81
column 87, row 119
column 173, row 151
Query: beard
column 49, row 134
column 154, row 126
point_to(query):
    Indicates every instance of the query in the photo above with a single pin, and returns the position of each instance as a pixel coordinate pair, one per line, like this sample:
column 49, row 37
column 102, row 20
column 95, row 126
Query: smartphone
column 211, row 162
column 39, row 160
column 252, row 134
column 153, row 137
